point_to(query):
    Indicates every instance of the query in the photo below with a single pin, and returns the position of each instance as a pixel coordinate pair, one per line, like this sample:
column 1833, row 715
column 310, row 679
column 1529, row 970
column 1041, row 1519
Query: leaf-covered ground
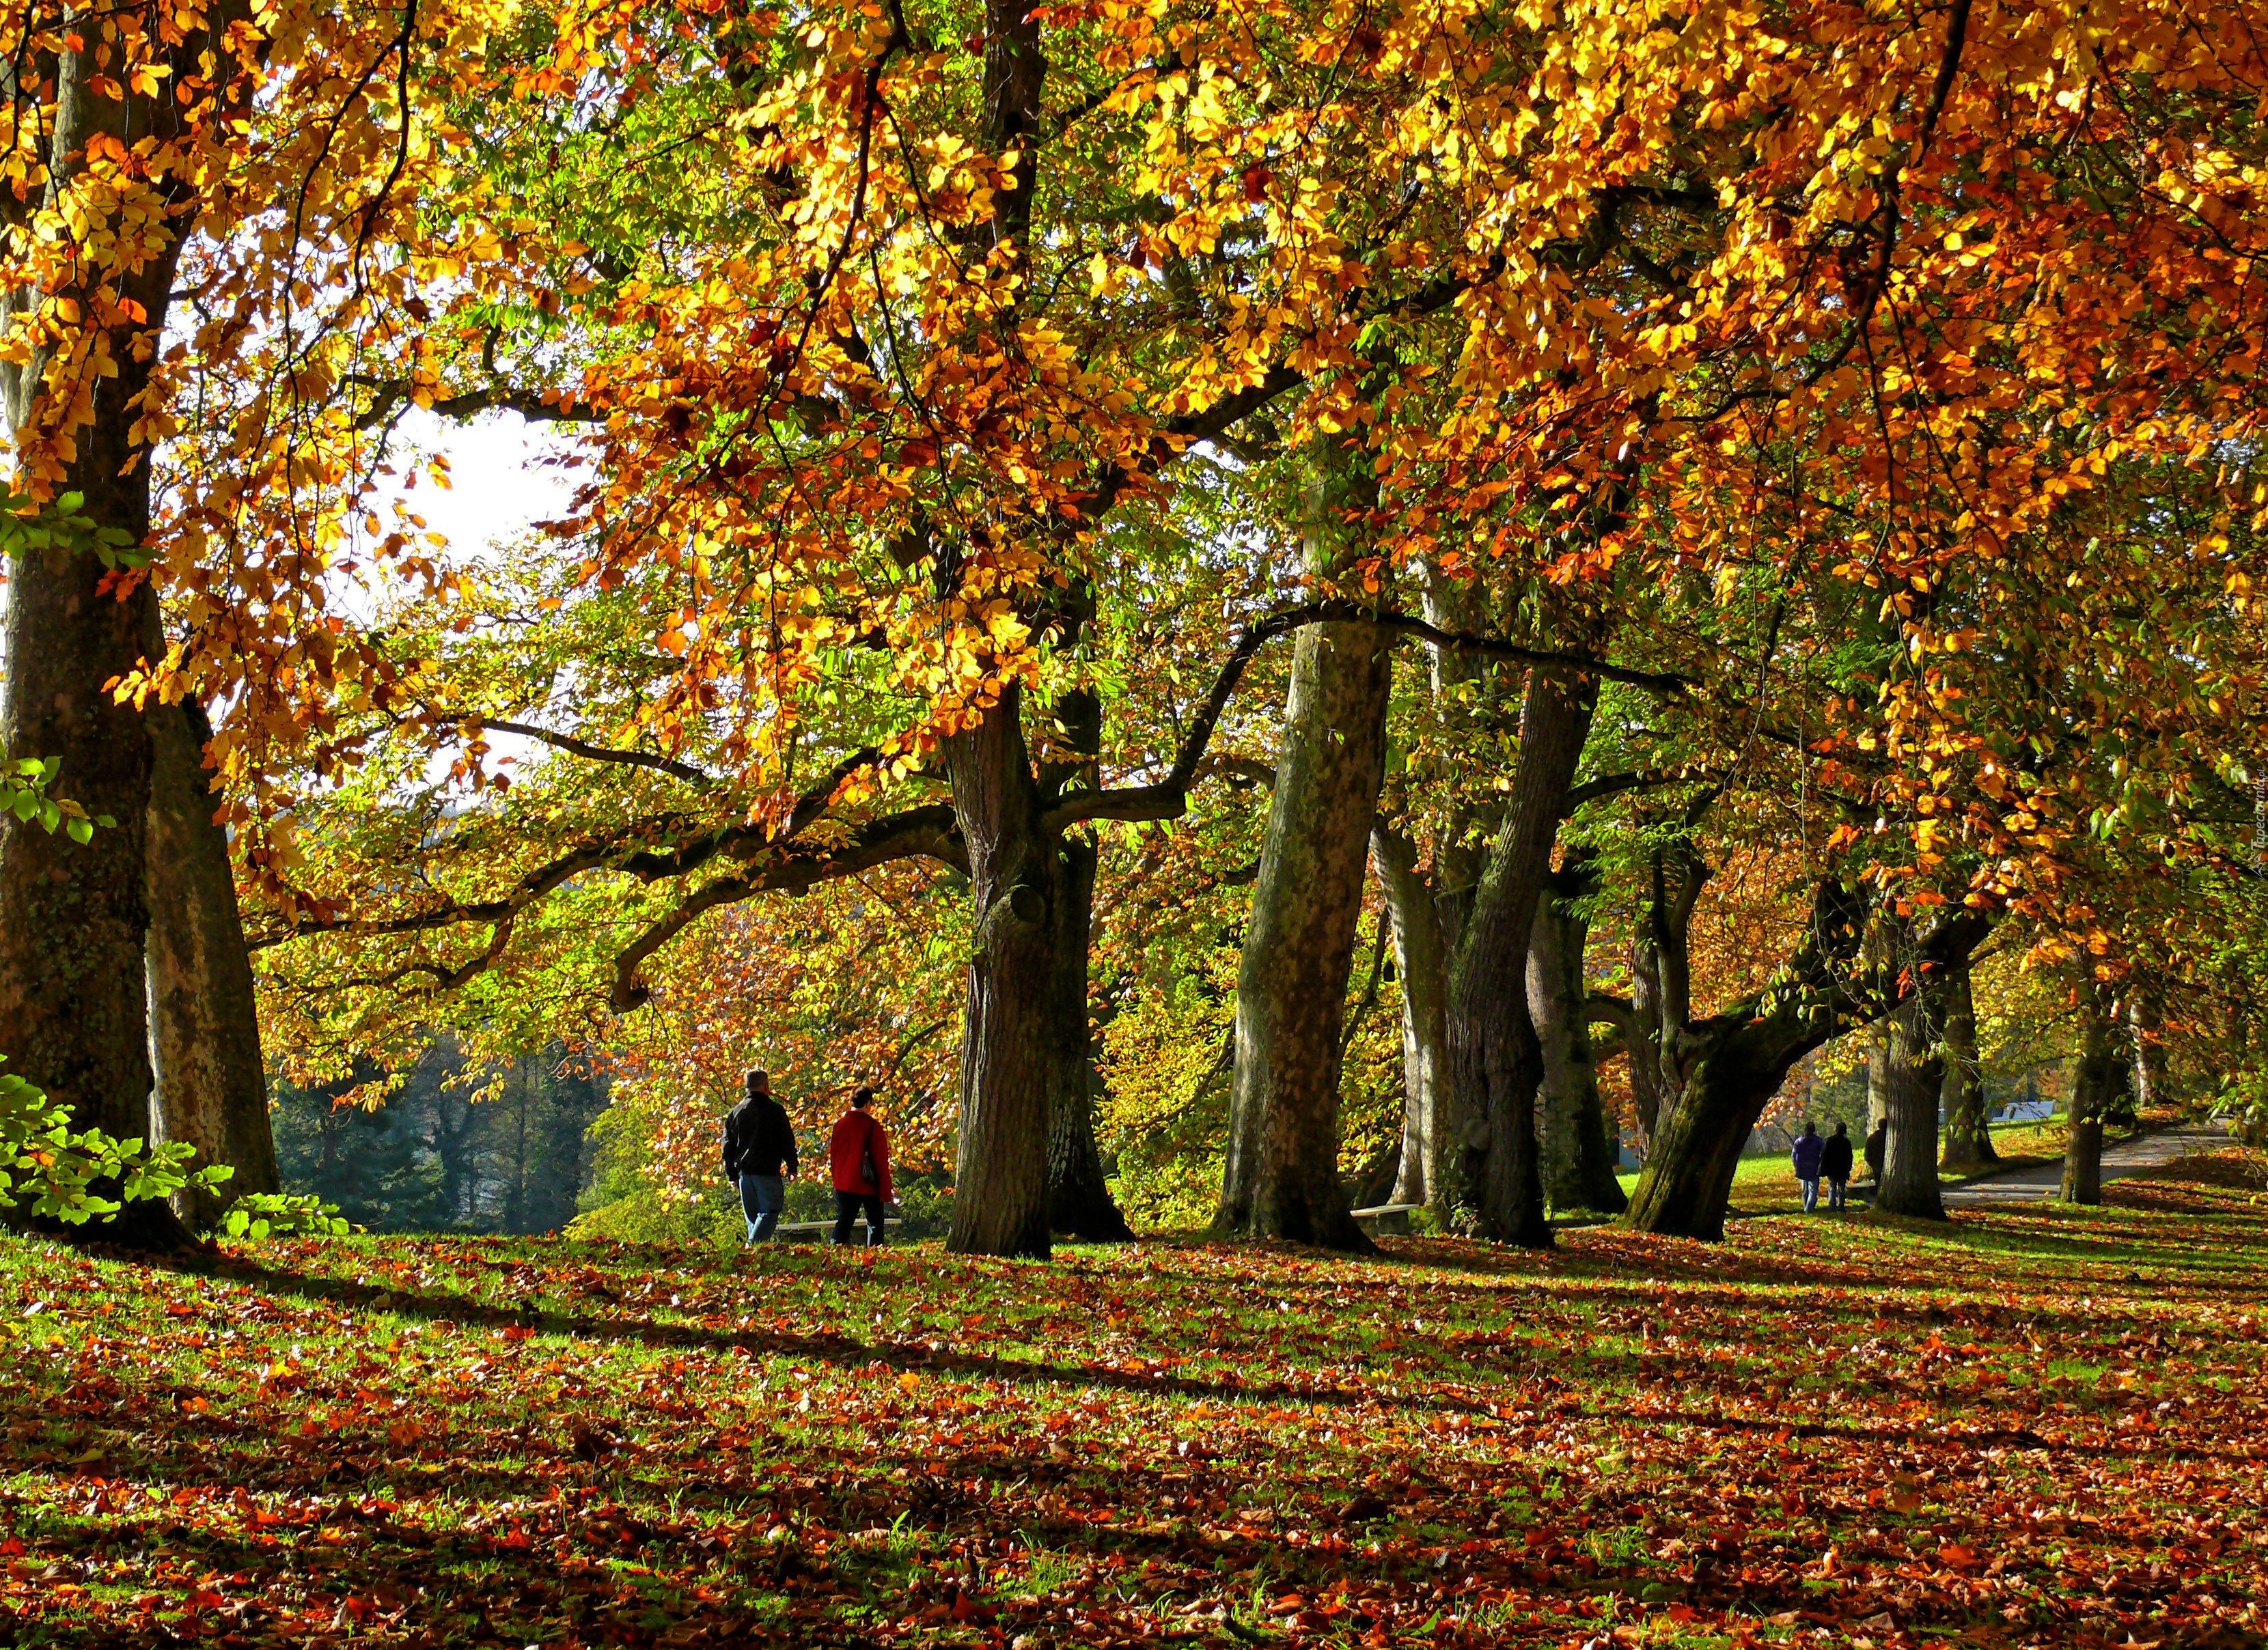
column 2034, row 1427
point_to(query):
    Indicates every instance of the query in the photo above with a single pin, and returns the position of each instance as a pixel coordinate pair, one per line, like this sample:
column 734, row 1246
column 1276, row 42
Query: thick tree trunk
column 1915, row 1075
column 74, row 995
column 1012, row 1029
column 1496, row 1062
column 1281, row 1178
column 1737, row 1065
column 1728, row 1069
column 1579, row 1160
column 2092, row 1084
column 204, row 1028
column 1421, row 964
column 1079, row 1194
column 1968, row 1128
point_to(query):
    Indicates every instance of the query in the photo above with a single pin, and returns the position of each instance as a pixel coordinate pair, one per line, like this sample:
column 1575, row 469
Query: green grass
column 1765, row 1184
column 2026, row 1426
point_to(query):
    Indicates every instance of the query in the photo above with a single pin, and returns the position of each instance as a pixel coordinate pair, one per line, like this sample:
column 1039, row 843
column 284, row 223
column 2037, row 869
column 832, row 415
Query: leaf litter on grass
column 2028, row 1428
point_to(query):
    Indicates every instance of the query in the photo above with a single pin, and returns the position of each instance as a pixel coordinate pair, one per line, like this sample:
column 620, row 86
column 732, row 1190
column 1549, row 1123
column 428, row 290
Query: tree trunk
column 1642, row 1038
column 1421, row 964
column 1011, row 1025
column 2092, row 1083
column 1737, row 1065
column 1878, row 1075
column 1968, row 1129
column 1079, row 1194
column 74, row 995
column 1915, row 1074
column 1281, row 1178
column 1728, row 1067
column 2149, row 1056
column 1579, row 1160
column 74, row 990
column 1496, row 1062
column 205, row 1029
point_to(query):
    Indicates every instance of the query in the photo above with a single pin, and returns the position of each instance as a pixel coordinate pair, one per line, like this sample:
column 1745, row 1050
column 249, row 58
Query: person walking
column 1810, row 1149
column 759, row 1157
column 1835, row 1166
column 1878, row 1152
column 858, row 1153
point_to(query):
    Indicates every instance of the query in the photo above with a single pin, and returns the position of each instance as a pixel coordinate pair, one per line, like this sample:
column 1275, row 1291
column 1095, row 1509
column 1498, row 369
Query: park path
column 2041, row 1181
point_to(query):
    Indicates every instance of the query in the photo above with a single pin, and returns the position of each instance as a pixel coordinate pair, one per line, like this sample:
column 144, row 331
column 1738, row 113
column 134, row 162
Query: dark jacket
column 857, row 1144
column 758, row 1139
column 1807, row 1155
column 1835, row 1159
column 1878, row 1149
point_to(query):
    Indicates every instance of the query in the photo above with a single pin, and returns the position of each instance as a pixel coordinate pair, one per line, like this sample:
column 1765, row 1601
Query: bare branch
column 583, row 748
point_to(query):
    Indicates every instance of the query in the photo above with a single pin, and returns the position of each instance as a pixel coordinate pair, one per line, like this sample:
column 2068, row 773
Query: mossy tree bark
column 1281, row 1178
column 1079, row 1203
column 1579, row 1156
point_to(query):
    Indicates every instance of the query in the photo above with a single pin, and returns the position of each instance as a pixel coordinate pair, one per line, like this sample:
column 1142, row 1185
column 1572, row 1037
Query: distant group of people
column 1827, row 1158
column 760, row 1159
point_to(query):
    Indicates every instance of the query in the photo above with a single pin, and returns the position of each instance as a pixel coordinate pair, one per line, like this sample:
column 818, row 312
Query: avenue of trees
column 1127, row 559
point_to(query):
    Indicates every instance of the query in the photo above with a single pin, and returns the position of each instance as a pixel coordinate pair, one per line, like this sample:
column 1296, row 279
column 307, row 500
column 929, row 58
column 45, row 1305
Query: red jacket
column 858, row 1136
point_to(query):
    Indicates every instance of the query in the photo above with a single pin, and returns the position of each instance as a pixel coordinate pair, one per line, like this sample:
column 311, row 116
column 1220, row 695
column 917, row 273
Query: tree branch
column 574, row 746
column 1169, row 799
column 390, row 394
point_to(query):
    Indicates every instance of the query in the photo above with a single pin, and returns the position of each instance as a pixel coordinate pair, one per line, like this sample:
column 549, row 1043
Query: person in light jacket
column 858, row 1153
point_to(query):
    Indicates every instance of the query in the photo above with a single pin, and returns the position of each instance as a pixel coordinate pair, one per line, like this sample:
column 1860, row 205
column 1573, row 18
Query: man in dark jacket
column 1808, row 1150
column 759, row 1155
column 1835, row 1165
column 1878, row 1152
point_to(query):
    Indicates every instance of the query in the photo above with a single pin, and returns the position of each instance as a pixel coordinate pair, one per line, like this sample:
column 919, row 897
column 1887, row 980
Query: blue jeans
column 1810, row 1194
column 1838, row 1193
column 762, row 1197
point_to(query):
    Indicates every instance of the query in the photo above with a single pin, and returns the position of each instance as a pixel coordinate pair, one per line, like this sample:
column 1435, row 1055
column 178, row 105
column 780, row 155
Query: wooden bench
column 1386, row 1217
column 821, row 1229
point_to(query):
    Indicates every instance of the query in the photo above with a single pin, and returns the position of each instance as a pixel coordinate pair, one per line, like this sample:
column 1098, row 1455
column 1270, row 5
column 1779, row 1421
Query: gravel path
column 2128, row 1158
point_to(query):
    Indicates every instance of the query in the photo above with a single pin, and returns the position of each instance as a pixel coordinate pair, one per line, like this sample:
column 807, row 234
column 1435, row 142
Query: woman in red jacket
column 859, row 1154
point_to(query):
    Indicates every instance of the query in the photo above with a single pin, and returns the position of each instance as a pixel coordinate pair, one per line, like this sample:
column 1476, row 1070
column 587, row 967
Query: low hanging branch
column 783, row 862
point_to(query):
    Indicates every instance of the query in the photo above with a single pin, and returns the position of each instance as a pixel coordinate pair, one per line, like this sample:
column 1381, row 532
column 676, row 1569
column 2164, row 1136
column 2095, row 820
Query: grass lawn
column 2029, row 1426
